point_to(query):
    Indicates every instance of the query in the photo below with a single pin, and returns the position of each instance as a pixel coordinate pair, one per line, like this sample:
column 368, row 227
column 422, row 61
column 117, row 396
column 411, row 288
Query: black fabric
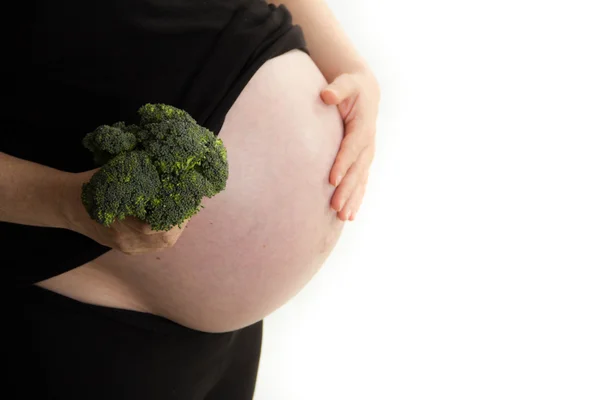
column 71, row 65
column 58, row 348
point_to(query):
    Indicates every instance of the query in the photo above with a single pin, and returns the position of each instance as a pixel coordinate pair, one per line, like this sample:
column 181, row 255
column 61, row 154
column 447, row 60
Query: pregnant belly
column 255, row 245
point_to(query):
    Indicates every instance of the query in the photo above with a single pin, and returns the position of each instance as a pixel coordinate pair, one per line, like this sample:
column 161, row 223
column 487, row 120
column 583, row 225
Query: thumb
column 340, row 89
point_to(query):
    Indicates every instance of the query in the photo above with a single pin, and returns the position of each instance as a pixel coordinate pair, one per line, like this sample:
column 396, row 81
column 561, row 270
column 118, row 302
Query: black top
column 55, row 348
column 71, row 65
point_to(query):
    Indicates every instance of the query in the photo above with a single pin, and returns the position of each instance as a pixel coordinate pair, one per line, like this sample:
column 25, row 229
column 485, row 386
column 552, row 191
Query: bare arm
column 30, row 193
column 329, row 46
column 37, row 195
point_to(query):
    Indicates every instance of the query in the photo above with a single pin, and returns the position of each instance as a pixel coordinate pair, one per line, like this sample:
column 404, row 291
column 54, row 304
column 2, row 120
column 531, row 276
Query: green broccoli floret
column 107, row 141
column 158, row 171
column 178, row 199
column 177, row 146
column 214, row 167
column 122, row 187
column 152, row 113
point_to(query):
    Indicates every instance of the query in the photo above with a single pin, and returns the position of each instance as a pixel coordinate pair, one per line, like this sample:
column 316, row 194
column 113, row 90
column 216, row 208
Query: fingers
column 355, row 142
column 353, row 204
column 353, row 96
column 356, row 176
column 133, row 236
column 341, row 88
column 134, row 245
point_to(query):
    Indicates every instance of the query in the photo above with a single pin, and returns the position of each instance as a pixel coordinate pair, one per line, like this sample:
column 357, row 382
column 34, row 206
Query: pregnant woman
column 128, row 313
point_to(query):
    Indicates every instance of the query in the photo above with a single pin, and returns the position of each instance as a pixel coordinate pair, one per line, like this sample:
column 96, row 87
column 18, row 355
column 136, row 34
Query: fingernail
column 338, row 180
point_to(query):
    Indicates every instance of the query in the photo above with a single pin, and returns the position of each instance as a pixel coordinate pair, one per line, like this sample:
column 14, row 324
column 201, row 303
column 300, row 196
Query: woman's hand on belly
column 256, row 244
column 357, row 96
column 354, row 89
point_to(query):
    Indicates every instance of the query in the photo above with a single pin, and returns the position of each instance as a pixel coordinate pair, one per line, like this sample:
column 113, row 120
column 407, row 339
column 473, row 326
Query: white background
column 473, row 270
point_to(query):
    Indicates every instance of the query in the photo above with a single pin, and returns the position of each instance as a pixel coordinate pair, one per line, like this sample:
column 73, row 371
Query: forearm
column 30, row 193
column 328, row 44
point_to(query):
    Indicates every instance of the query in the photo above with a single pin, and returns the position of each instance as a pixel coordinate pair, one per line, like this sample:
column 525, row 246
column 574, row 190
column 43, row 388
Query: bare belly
column 255, row 245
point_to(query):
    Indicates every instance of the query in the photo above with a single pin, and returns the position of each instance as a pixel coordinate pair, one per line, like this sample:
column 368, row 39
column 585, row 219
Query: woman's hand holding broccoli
column 152, row 179
column 129, row 235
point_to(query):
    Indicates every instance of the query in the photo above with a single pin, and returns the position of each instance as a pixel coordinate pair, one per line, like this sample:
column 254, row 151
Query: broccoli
column 158, row 171
column 108, row 141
